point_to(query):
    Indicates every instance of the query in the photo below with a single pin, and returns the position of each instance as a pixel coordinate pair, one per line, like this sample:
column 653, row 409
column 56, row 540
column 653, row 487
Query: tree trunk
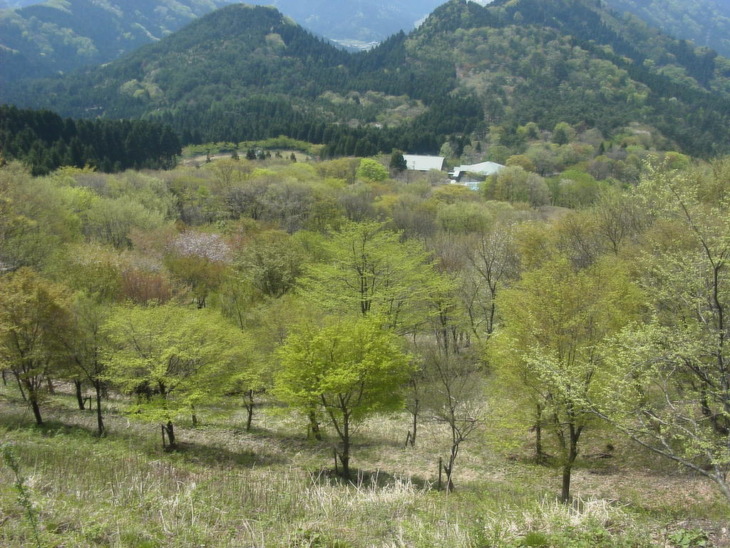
column 345, row 454
column 249, row 405
column 314, row 425
column 51, row 389
column 194, row 416
column 36, row 410
column 449, row 483
column 565, row 492
column 452, row 460
column 79, row 395
column 20, row 387
column 568, row 465
column 415, row 422
column 170, row 431
column 99, row 417
column 724, row 487
column 539, row 453
column 5, row 378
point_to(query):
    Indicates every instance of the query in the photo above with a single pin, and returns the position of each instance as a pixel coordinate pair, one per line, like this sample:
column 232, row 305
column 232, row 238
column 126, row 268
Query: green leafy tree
column 670, row 375
column 563, row 133
column 370, row 271
column 555, row 319
column 398, row 163
column 172, row 357
column 33, row 316
column 271, row 263
column 371, row 170
column 350, row 369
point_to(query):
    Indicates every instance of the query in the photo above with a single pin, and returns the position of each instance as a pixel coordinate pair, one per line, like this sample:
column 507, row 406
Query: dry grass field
column 274, row 487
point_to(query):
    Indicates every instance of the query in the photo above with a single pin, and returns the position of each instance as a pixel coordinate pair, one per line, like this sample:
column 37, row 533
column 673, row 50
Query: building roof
column 485, row 168
column 423, row 163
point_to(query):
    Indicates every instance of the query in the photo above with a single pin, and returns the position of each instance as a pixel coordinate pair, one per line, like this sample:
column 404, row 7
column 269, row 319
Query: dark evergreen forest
column 45, row 141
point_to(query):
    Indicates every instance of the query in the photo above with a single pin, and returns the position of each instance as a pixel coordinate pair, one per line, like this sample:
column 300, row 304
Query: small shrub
column 689, row 538
column 533, row 538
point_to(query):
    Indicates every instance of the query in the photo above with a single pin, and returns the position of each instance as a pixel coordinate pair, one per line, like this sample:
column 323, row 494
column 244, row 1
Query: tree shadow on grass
column 370, row 479
column 23, row 420
column 212, row 455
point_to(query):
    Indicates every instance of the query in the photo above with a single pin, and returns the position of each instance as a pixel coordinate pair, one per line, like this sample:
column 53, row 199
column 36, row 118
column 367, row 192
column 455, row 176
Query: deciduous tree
column 172, row 357
column 33, row 316
column 670, row 375
column 556, row 317
column 350, row 369
column 370, row 271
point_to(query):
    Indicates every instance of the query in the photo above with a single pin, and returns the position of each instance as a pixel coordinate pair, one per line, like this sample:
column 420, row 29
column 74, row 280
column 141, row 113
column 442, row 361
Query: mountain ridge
column 47, row 38
column 468, row 67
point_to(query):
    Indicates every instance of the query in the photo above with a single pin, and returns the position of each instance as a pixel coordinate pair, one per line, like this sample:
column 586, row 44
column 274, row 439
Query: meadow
column 60, row 485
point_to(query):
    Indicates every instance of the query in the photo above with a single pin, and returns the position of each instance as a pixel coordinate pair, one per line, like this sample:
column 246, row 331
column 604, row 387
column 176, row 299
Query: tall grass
column 273, row 487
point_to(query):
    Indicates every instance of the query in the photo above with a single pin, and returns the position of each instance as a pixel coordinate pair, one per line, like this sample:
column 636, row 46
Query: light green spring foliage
column 670, row 382
column 555, row 319
column 188, row 356
column 34, row 315
column 371, row 170
column 351, row 366
column 370, row 271
column 37, row 218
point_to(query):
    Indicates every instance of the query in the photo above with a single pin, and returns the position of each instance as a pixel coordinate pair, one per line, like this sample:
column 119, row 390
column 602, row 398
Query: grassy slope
column 271, row 487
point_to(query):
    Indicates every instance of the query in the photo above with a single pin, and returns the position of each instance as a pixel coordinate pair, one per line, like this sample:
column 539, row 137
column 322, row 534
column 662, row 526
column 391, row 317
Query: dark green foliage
column 706, row 22
column 247, row 73
column 45, row 39
column 397, row 161
column 45, row 141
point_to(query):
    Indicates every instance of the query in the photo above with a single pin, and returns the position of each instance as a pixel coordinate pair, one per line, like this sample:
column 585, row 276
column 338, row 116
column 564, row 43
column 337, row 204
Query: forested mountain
column 470, row 71
column 44, row 38
column 48, row 38
column 51, row 37
column 706, row 22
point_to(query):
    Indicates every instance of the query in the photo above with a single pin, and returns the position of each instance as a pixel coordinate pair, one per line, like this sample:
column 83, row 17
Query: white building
column 485, row 169
column 415, row 162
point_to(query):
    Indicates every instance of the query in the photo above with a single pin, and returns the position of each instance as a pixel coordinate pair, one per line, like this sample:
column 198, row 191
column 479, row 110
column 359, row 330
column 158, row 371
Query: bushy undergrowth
column 272, row 487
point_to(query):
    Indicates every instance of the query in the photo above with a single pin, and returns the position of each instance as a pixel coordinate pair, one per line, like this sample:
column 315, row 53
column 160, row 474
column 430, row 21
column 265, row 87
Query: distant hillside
column 706, row 22
column 56, row 37
column 469, row 71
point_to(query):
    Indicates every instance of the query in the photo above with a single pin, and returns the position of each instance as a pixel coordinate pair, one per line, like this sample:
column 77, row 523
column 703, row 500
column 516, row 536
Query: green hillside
column 51, row 37
column 245, row 73
column 705, row 22
column 232, row 316
column 56, row 37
